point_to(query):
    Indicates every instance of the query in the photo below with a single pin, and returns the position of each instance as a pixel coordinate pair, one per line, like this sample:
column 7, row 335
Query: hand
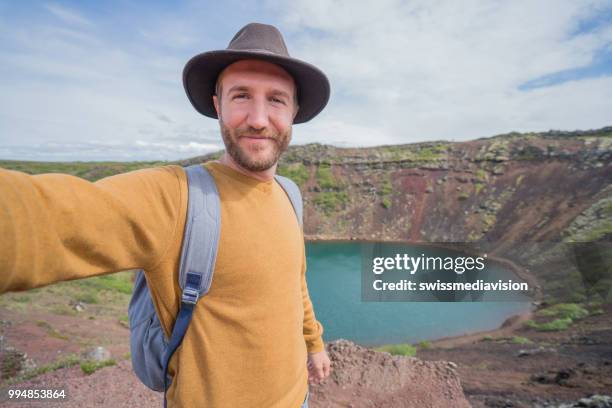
column 319, row 367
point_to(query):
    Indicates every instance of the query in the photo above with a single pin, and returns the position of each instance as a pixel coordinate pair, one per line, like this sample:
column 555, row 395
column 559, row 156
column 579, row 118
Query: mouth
column 257, row 140
column 256, row 137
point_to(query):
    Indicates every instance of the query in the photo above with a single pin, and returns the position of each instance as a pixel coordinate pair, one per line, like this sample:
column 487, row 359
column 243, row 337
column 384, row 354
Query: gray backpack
column 150, row 350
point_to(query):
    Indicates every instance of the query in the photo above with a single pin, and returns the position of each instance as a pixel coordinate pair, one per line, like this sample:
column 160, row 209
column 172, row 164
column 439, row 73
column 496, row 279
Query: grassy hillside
column 88, row 170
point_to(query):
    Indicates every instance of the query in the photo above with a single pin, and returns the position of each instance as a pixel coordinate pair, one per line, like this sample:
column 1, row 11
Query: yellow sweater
column 248, row 341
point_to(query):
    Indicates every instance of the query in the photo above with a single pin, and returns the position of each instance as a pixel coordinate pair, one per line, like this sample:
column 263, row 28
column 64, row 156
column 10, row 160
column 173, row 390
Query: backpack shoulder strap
column 199, row 253
column 201, row 238
column 293, row 192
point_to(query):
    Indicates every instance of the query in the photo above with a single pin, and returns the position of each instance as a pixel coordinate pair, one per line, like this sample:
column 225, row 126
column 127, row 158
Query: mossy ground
column 563, row 314
column 295, row 171
column 399, row 349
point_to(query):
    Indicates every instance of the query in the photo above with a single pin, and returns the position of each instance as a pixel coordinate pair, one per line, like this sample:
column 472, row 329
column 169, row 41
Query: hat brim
column 201, row 72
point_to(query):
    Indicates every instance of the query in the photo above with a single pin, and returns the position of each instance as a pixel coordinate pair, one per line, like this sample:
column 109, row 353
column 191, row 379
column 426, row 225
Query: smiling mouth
column 257, row 138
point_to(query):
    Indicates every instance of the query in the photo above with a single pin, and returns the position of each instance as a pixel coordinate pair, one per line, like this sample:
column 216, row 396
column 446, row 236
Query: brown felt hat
column 255, row 41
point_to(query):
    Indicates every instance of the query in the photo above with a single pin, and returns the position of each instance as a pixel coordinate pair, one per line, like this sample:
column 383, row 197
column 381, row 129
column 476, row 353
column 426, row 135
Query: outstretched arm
column 56, row 227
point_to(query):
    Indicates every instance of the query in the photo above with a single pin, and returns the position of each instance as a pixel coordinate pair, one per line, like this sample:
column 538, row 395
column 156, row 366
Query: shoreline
column 505, row 329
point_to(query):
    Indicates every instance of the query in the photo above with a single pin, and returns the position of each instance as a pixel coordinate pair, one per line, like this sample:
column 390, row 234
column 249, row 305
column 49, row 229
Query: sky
column 102, row 80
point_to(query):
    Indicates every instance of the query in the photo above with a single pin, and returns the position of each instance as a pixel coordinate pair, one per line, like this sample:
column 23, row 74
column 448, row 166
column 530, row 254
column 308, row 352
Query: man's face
column 256, row 109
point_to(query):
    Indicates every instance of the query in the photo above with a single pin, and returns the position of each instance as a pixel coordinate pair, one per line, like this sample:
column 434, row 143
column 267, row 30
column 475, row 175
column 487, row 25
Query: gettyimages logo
column 412, row 264
column 467, row 272
column 447, row 273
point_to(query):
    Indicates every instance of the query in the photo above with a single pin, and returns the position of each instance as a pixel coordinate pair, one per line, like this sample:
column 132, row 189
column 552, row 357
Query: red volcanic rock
column 366, row 378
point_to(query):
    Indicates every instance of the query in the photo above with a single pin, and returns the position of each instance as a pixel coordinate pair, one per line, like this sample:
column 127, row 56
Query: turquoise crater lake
column 334, row 283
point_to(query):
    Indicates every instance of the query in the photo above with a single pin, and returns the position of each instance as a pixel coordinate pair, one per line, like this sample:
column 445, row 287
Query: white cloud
column 400, row 71
column 429, row 70
column 74, row 94
column 67, row 15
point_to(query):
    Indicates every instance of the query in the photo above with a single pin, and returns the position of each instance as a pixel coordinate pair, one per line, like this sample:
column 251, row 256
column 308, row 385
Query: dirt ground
column 554, row 367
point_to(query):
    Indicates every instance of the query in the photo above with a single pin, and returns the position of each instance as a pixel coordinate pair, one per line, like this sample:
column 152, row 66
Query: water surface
column 334, row 283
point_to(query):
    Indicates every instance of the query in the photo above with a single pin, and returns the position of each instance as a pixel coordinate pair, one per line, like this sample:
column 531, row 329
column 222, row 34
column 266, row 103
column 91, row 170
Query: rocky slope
column 365, row 378
column 524, row 197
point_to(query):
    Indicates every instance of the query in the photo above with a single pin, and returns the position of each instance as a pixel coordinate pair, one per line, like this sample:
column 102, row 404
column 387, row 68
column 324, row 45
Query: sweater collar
column 241, row 177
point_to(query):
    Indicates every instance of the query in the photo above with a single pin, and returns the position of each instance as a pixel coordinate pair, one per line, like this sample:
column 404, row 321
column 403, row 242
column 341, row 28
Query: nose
column 258, row 115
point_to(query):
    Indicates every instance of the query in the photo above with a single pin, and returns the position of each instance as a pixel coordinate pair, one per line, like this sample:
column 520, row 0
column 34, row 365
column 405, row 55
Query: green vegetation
column 88, row 170
column 386, row 190
column 608, row 210
column 88, row 296
column 520, row 340
column 405, row 349
column 596, row 223
column 64, row 362
column 596, row 301
column 424, row 344
column 479, row 186
column 397, row 152
column 295, row 171
column 489, row 219
column 513, row 340
column 482, row 175
column 599, row 231
column 473, row 236
column 325, row 178
column 577, row 296
column 104, row 295
column 555, row 325
column 421, row 153
column 119, row 282
column 329, row 201
column 399, row 349
column 529, row 153
column 89, row 367
column 55, row 334
column 51, row 332
column 10, row 363
column 43, row 324
column 435, row 152
column 290, row 156
column 495, row 151
column 483, row 365
column 565, row 311
column 63, row 309
column 124, row 320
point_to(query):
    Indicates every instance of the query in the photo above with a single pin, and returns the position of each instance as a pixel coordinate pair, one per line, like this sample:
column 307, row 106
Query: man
column 251, row 336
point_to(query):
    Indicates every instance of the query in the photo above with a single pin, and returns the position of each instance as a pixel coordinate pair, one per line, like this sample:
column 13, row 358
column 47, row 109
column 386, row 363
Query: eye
column 277, row 100
column 240, row 96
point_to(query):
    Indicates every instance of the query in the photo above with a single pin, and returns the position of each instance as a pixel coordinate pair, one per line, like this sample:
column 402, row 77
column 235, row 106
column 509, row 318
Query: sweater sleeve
column 313, row 330
column 57, row 227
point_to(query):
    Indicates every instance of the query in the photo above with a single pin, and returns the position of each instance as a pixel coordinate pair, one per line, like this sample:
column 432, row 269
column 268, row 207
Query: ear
column 216, row 103
column 295, row 112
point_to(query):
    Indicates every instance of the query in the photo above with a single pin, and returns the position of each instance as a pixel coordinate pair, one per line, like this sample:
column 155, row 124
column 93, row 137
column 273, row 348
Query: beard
column 247, row 160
